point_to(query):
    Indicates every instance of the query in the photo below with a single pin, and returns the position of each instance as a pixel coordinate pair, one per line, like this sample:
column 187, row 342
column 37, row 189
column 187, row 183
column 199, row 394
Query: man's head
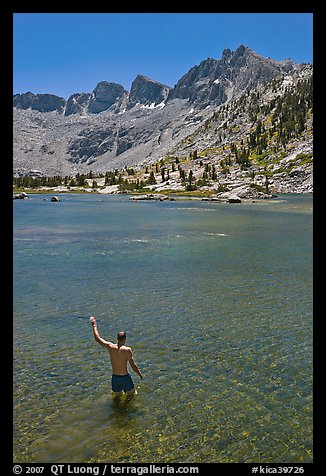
column 121, row 337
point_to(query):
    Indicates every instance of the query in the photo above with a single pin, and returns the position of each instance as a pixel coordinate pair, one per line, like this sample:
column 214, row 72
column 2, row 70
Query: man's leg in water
column 117, row 394
column 130, row 393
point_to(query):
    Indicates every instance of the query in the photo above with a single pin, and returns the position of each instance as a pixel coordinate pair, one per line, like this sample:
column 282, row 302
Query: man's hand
column 93, row 320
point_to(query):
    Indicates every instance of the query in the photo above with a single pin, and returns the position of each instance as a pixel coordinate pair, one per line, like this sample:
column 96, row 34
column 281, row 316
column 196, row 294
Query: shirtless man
column 120, row 355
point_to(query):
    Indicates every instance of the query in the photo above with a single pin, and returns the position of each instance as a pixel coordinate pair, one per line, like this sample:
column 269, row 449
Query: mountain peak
column 146, row 91
column 227, row 54
column 105, row 96
column 241, row 49
column 39, row 102
column 216, row 81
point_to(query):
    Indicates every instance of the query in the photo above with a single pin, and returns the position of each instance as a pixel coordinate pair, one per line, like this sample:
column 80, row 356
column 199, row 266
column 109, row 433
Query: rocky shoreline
column 241, row 195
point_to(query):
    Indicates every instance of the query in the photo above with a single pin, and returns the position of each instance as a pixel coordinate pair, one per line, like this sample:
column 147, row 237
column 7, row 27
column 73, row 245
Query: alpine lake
column 216, row 300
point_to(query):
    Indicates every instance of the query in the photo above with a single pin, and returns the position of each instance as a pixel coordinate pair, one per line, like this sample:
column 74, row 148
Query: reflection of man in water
column 120, row 355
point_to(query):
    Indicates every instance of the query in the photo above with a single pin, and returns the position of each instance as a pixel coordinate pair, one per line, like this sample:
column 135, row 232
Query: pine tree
column 151, row 180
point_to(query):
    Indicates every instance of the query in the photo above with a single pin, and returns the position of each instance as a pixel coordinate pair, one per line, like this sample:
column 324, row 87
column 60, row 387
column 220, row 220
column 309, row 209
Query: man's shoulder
column 127, row 349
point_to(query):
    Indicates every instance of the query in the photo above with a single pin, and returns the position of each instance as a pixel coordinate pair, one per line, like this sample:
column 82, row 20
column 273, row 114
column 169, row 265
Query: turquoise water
column 216, row 300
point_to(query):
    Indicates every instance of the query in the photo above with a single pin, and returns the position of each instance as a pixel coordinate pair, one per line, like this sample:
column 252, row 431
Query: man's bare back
column 120, row 355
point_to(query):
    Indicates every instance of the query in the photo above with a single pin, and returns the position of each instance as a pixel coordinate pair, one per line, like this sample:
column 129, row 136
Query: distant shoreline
column 206, row 196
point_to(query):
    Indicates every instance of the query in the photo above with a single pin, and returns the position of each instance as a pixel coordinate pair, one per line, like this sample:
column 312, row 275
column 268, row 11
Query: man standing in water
column 120, row 355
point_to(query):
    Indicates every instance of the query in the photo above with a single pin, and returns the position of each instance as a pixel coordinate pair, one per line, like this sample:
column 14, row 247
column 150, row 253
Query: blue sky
column 65, row 53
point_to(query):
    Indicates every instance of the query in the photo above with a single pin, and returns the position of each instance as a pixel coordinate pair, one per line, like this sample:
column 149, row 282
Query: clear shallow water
column 216, row 300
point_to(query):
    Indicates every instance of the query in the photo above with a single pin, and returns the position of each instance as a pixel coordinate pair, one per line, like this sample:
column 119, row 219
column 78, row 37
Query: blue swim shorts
column 122, row 382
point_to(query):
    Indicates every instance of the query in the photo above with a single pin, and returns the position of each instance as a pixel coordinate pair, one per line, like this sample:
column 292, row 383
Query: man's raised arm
column 97, row 336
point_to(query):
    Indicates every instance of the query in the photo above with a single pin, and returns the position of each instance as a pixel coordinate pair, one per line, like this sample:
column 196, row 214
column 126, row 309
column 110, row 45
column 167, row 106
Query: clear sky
column 66, row 53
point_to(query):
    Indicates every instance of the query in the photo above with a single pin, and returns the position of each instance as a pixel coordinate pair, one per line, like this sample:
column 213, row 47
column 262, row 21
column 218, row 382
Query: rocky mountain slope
column 227, row 112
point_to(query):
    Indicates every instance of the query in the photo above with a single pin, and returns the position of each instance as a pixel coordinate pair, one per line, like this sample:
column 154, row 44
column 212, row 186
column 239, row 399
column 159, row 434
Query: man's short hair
column 122, row 335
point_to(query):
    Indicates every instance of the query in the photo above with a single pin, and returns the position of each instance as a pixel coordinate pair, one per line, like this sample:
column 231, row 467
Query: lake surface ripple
column 216, row 300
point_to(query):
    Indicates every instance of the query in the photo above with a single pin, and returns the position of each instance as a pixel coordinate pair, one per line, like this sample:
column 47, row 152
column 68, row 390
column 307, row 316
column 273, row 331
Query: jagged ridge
column 111, row 127
column 212, row 81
